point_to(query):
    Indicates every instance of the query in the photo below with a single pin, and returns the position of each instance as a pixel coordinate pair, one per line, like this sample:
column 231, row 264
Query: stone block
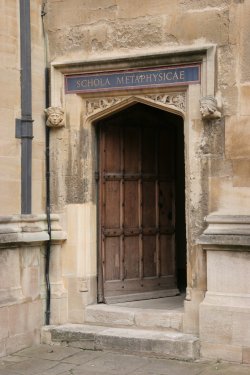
column 246, row 355
column 186, row 5
column 245, row 43
column 211, row 25
column 4, row 323
column 244, row 100
column 215, row 324
column 221, row 352
column 165, row 344
column 159, row 319
column 149, row 8
column 10, row 168
column 9, row 269
column 237, row 133
column 2, row 348
column 10, row 192
column 137, row 33
column 228, row 272
column 30, row 282
column 109, row 315
column 222, row 192
column 241, row 173
column 24, row 317
column 23, row 340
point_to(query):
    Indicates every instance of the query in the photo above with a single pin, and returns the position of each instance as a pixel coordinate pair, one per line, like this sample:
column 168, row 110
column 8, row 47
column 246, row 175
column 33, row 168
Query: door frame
column 138, row 295
column 97, row 118
column 196, row 171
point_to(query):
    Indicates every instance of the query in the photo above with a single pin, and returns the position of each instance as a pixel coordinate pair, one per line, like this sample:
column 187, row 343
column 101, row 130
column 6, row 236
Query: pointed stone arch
column 99, row 108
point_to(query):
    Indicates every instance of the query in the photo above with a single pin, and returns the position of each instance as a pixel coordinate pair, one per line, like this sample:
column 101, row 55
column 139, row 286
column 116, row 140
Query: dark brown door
column 137, row 205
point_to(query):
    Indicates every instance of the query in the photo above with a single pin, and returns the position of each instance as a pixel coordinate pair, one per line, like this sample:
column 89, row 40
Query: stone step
column 130, row 340
column 117, row 316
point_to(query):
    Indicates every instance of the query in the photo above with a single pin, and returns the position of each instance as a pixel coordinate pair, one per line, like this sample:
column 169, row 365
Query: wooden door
column 137, row 205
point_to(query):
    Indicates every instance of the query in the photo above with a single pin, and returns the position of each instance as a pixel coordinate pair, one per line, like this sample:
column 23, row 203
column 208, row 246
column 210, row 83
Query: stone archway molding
column 97, row 108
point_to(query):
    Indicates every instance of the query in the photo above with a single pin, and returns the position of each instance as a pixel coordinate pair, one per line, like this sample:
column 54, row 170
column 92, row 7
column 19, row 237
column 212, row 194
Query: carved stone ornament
column 55, row 117
column 96, row 105
column 177, row 100
column 209, row 108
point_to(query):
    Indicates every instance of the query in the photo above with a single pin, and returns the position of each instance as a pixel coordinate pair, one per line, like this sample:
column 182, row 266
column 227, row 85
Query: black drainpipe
column 47, row 167
column 24, row 126
column 47, row 158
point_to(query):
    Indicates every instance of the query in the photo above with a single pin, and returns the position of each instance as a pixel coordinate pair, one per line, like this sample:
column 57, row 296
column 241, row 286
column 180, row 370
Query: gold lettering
column 160, row 77
column 78, row 83
column 107, row 82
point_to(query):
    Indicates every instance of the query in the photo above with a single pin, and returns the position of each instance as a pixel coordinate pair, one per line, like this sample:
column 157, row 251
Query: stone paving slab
column 64, row 360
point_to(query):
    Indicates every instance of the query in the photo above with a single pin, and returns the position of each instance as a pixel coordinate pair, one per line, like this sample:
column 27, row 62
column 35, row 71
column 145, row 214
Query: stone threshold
column 140, row 318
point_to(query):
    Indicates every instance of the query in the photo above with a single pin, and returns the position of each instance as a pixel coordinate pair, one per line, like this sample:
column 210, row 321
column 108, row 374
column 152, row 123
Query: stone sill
column 29, row 230
column 226, row 232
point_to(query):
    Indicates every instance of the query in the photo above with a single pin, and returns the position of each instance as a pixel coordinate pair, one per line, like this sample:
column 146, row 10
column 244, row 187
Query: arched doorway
column 141, row 213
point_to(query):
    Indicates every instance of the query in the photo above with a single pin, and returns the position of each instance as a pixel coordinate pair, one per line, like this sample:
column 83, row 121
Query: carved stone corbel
column 55, row 117
column 209, row 108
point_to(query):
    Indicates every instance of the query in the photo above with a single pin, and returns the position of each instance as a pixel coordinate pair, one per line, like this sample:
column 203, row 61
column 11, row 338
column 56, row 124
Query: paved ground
column 55, row 360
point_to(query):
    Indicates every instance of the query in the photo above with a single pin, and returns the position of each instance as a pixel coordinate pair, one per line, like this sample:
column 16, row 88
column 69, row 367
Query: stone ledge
column 230, row 232
column 29, row 230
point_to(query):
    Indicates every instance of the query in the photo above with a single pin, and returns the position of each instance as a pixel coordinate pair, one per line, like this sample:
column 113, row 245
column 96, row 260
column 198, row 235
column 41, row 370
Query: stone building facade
column 91, row 40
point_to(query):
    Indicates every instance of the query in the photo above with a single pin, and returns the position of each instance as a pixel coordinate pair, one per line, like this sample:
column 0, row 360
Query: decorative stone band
column 227, row 231
column 28, row 229
column 175, row 100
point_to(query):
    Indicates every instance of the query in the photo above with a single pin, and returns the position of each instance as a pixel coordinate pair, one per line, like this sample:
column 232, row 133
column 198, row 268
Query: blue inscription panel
column 132, row 79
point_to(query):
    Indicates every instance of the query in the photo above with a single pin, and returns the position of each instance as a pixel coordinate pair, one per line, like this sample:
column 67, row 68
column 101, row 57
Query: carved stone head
column 55, row 117
column 209, row 108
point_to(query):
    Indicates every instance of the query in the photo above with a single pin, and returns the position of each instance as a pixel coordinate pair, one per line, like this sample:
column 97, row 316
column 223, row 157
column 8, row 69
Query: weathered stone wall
column 22, row 280
column 10, row 160
column 92, row 30
column 80, row 31
column 21, row 264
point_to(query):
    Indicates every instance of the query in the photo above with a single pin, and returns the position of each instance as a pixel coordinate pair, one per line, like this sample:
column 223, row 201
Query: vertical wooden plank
column 148, row 207
column 166, row 214
column 112, row 204
column 131, row 150
column 112, row 258
column 112, row 148
column 149, row 261
column 131, row 254
column 131, row 204
column 167, row 255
